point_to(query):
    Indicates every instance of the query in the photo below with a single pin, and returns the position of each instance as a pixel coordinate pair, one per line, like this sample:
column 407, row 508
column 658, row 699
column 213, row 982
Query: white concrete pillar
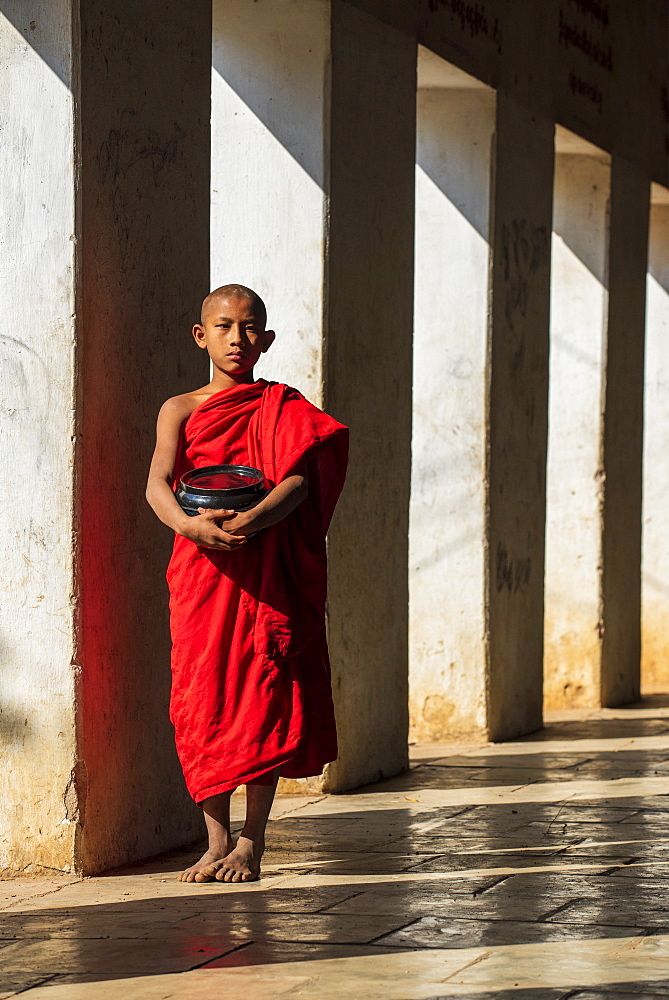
column 655, row 563
column 312, row 205
column 105, row 241
column 448, row 640
column 579, row 300
column 517, row 417
column 622, row 442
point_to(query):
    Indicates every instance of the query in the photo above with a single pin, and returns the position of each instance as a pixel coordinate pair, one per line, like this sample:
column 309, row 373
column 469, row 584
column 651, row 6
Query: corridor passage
column 532, row 870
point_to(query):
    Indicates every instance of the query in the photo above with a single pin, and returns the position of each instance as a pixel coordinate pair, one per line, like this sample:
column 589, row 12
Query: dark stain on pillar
column 512, row 575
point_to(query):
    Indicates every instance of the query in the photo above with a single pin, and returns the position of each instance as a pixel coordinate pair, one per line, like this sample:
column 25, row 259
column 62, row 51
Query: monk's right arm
column 159, row 492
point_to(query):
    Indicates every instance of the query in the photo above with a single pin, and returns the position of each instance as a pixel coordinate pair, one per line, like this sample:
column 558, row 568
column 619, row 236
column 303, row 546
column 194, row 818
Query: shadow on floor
column 492, row 851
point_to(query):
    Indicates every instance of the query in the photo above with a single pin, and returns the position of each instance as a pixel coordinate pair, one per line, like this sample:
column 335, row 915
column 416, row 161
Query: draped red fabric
column 250, row 669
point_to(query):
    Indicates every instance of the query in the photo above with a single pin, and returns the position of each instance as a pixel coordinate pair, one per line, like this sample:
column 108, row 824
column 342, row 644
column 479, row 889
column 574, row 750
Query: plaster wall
column 38, row 233
column 269, row 140
column 579, row 299
column 655, row 578
column 447, row 514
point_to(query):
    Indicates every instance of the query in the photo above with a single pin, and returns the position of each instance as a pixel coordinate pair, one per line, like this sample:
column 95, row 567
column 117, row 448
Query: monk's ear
column 268, row 340
column 198, row 336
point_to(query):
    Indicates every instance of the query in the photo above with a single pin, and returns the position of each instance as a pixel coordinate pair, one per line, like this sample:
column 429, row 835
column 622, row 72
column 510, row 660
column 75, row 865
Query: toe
column 201, row 877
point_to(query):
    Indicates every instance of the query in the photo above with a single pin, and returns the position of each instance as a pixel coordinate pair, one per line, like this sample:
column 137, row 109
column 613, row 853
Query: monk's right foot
column 197, row 872
column 241, row 865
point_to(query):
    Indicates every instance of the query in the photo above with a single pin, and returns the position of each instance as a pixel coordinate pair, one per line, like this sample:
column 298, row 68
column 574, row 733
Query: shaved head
column 235, row 292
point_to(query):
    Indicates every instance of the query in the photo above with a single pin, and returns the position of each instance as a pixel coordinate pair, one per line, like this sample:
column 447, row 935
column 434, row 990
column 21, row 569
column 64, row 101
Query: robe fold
column 250, row 670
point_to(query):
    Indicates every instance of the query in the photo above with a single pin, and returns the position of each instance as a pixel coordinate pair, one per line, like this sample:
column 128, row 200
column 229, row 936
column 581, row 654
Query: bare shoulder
column 176, row 409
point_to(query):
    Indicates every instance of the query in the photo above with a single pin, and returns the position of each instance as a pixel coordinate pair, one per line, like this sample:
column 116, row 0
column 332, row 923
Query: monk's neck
column 222, row 380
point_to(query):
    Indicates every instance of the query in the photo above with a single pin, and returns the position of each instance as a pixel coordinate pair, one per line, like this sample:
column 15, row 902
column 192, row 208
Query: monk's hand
column 242, row 523
column 206, row 530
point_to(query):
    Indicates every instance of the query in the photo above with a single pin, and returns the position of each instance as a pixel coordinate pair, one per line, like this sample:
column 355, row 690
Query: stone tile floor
column 533, row 870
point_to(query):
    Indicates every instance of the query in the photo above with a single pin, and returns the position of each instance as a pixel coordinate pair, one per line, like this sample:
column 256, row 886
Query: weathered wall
column 145, row 99
column 579, row 279
column 447, row 528
column 121, row 164
column 38, row 230
column 368, row 370
column 269, row 138
column 655, row 579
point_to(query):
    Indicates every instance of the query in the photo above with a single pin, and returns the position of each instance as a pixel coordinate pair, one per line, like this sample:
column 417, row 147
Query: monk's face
column 233, row 334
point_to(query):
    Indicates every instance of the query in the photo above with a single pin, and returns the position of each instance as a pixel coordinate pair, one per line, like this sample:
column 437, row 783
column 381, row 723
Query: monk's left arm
column 279, row 503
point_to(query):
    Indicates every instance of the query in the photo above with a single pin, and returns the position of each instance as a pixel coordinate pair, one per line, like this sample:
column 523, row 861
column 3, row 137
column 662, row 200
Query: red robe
column 250, row 669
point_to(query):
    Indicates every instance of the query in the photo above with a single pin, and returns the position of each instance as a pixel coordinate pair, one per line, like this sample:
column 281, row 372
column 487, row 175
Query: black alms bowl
column 214, row 487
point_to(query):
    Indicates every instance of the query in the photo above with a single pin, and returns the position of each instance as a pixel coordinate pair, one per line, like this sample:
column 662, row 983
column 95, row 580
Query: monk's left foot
column 241, row 865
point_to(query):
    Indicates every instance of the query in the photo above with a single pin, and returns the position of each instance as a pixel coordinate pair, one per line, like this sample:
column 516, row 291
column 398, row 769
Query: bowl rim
column 190, row 487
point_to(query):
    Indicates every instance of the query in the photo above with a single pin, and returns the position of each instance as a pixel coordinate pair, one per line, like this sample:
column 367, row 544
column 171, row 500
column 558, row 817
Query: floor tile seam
column 41, row 895
column 474, row 919
column 564, row 803
column 34, row 986
column 468, row 965
column 216, row 958
column 476, row 893
column 379, row 937
column 324, row 909
column 309, row 802
column 640, row 930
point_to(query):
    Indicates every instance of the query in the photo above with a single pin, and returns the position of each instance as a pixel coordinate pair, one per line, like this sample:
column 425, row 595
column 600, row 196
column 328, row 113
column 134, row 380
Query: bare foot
column 241, row 865
column 198, row 871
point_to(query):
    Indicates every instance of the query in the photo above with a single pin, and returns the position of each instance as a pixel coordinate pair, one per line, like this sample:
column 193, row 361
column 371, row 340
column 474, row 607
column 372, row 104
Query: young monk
column 251, row 693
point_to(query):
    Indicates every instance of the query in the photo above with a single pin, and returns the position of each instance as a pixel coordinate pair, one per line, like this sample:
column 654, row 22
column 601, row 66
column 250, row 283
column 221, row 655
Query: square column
column 144, row 121
column 107, row 147
column 579, row 304
column 622, row 445
column 655, row 564
column 518, row 417
column 368, row 373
